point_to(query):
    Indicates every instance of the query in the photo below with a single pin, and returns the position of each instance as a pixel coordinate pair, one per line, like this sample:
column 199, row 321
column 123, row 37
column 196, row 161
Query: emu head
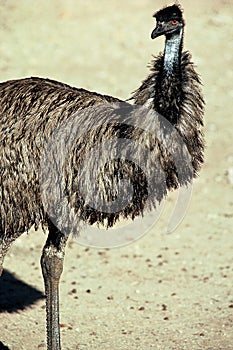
column 169, row 21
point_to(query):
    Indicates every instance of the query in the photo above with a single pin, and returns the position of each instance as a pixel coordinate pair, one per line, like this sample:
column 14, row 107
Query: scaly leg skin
column 52, row 266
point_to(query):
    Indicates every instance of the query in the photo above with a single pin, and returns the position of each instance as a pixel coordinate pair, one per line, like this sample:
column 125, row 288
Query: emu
column 33, row 108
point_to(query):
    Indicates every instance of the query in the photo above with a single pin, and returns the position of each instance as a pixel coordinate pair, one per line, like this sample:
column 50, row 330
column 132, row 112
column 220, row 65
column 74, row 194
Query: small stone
column 93, row 333
column 141, row 308
column 73, row 291
column 164, row 307
column 63, row 325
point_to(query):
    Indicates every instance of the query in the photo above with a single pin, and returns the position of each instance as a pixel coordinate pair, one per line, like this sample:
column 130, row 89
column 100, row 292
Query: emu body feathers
column 31, row 109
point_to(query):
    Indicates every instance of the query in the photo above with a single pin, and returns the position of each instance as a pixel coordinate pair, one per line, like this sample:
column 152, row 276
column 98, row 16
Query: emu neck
column 172, row 53
column 168, row 87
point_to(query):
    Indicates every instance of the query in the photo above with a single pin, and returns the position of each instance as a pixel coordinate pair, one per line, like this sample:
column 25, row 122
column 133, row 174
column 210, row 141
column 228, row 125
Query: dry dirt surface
column 168, row 292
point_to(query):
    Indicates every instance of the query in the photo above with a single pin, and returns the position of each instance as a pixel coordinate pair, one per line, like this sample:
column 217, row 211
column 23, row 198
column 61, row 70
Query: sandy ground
column 163, row 291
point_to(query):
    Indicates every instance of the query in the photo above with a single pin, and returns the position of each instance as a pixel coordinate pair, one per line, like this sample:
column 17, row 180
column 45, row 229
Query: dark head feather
column 168, row 13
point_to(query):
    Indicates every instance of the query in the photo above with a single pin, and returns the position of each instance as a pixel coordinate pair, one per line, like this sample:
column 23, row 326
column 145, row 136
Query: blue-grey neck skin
column 172, row 52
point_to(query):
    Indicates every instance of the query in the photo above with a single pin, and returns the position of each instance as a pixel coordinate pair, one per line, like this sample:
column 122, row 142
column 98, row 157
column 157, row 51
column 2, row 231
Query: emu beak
column 160, row 29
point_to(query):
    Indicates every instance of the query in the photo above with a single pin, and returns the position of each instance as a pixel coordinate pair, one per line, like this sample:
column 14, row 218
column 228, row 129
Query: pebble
column 141, row 308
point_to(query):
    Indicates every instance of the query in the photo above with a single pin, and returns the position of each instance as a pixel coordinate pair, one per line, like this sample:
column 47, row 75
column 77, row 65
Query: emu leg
column 52, row 266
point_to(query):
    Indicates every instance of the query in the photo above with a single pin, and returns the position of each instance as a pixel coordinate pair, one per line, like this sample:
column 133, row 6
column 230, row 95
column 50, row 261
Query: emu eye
column 174, row 22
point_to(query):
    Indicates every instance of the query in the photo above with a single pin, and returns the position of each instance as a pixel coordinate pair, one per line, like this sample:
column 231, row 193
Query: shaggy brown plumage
column 35, row 116
column 31, row 109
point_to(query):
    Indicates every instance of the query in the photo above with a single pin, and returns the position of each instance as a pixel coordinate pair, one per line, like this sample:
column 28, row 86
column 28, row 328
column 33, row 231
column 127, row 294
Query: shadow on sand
column 15, row 294
column 3, row 347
